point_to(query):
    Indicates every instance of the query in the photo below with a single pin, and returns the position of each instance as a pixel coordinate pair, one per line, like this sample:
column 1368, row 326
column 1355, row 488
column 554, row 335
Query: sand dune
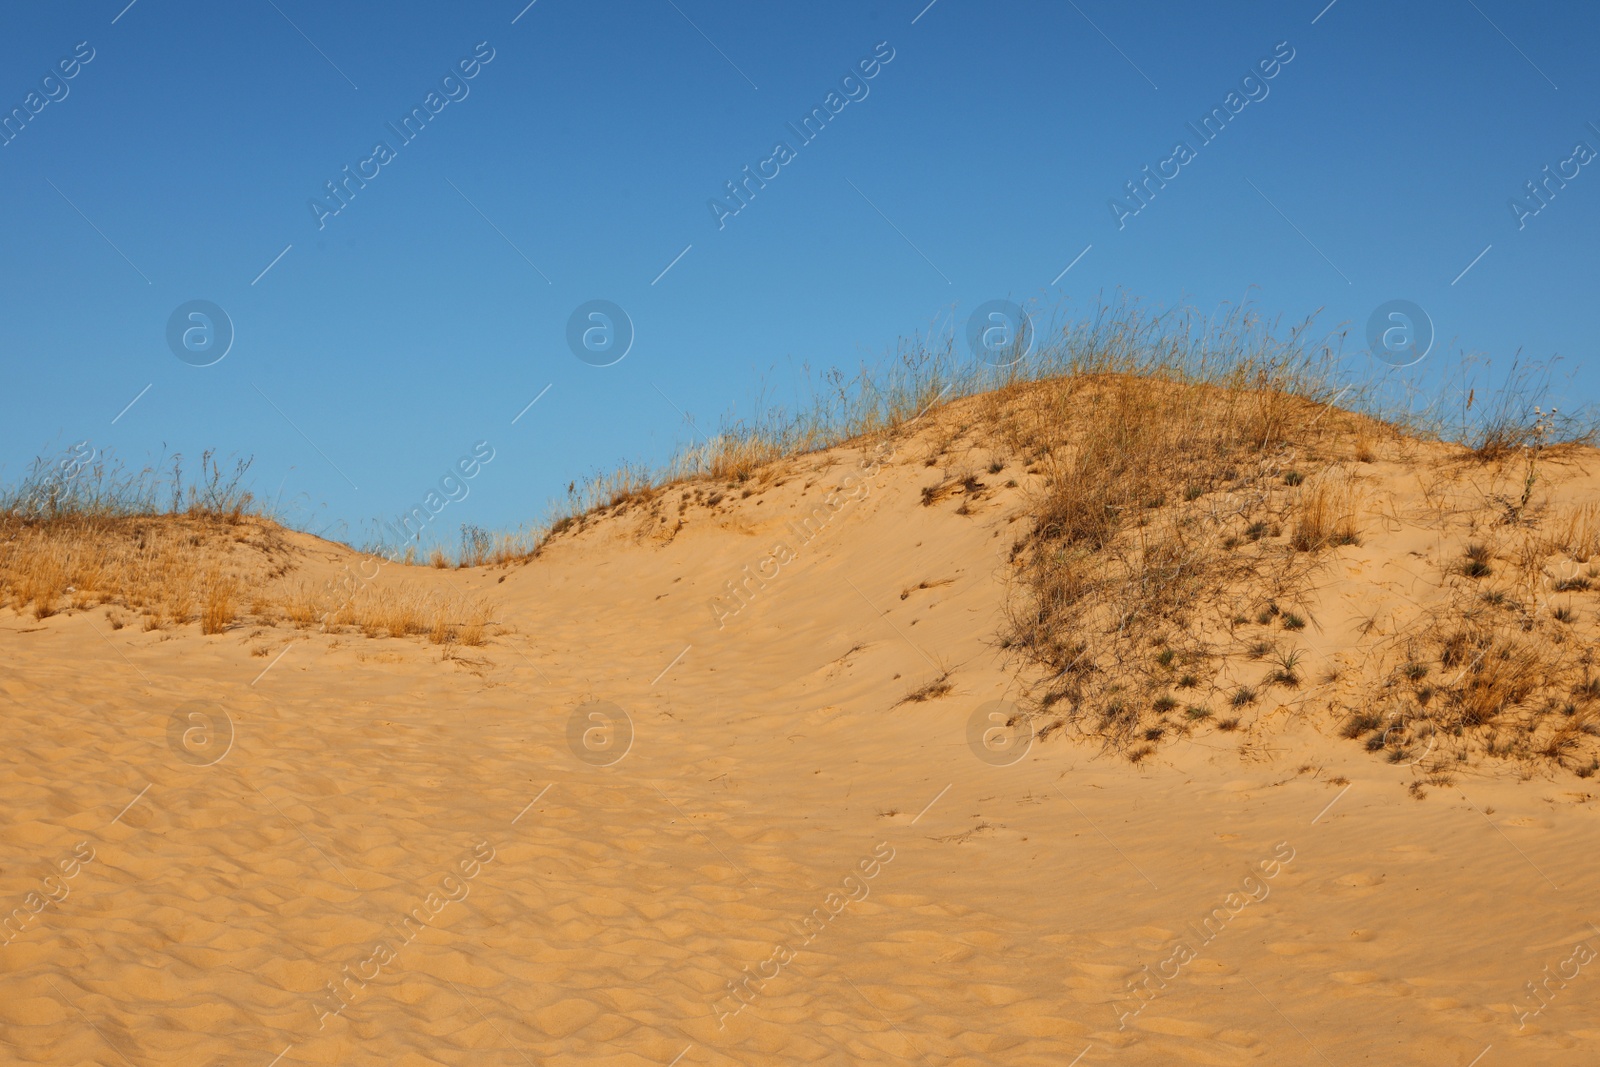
column 651, row 822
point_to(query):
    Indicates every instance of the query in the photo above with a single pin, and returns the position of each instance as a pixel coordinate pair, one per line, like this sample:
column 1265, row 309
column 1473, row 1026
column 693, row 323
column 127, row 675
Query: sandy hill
column 953, row 745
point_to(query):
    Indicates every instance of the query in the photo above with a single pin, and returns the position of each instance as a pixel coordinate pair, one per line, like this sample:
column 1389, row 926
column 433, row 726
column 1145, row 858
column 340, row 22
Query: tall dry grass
column 1575, row 530
column 1328, row 514
column 82, row 532
column 931, row 369
column 1235, row 350
column 1162, row 516
column 219, row 608
column 165, row 567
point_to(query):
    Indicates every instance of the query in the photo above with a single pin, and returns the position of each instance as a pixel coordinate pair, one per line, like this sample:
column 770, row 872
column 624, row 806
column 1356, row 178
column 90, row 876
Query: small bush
column 1360, row 723
column 1476, row 565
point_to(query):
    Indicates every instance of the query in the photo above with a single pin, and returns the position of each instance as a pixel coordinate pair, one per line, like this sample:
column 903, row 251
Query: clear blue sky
column 425, row 314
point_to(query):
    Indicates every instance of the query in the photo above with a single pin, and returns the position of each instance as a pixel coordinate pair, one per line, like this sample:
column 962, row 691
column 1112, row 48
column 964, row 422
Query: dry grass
column 301, row 603
column 401, row 609
column 1497, row 672
column 1575, row 531
column 1278, row 385
column 1497, row 665
column 1327, row 515
column 218, row 609
column 80, row 531
column 1163, row 498
column 172, row 570
column 151, row 565
column 930, row 690
column 174, row 554
column 472, row 632
column 1181, row 500
column 1188, row 475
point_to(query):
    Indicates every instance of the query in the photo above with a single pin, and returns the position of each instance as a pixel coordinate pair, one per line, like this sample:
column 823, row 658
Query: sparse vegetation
column 1287, row 673
column 100, row 535
column 931, row 690
column 175, row 552
column 217, row 601
column 1147, row 442
column 1360, row 723
column 1326, row 516
column 1186, row 477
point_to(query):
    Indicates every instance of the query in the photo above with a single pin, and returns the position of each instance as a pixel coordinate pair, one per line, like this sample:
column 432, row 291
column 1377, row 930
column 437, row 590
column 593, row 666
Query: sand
column 748, row 847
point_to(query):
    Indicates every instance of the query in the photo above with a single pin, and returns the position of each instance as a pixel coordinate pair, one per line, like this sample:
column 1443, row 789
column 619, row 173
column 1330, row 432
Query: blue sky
column 578, row 163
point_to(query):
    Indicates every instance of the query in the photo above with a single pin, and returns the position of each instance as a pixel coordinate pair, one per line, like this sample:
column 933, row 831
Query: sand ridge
column 700, row 894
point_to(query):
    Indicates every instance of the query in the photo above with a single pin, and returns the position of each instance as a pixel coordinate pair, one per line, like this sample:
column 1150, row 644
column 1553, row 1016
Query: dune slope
column 758, row 780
